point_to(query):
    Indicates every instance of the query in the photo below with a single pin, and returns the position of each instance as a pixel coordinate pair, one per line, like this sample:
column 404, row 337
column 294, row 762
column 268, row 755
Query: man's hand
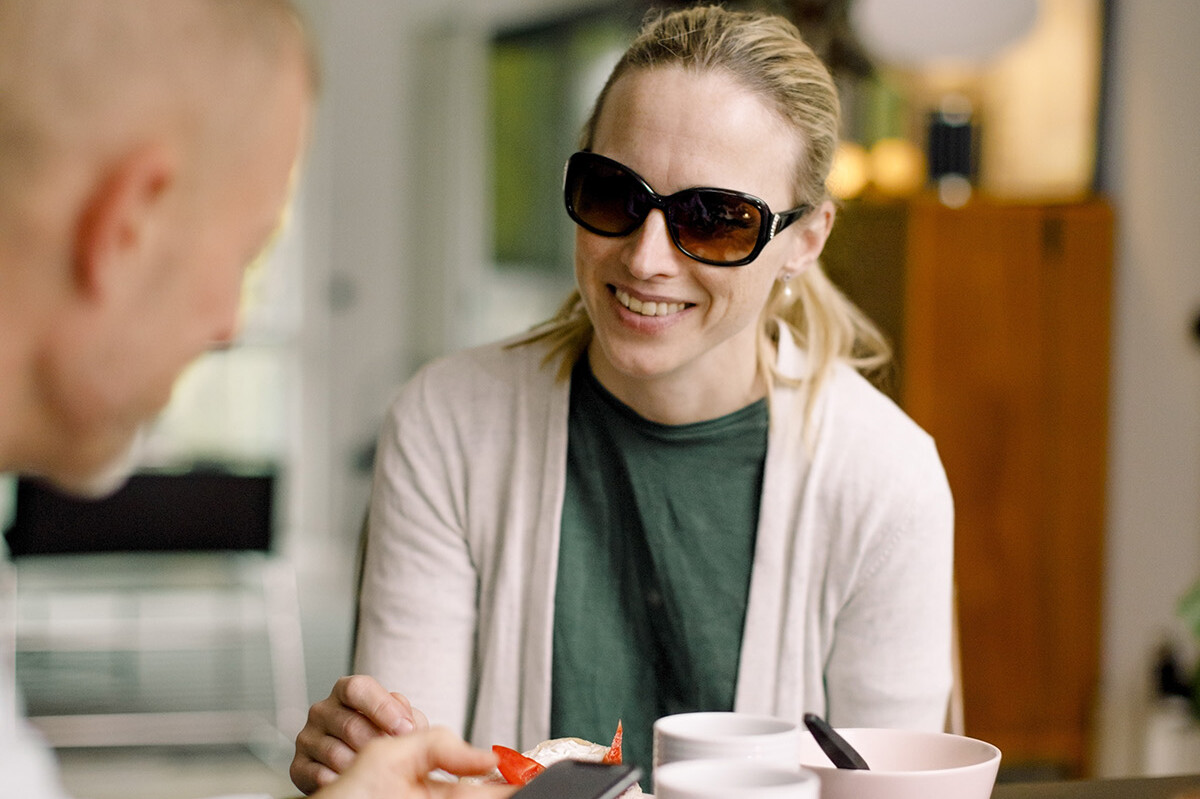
column 399, row 768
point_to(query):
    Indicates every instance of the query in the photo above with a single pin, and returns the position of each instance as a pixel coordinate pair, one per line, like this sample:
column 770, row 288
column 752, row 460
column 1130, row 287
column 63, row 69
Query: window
column 543, row 81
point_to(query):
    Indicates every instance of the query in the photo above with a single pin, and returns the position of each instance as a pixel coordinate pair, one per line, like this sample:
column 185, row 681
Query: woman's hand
column 398, row 768
column 356, row 712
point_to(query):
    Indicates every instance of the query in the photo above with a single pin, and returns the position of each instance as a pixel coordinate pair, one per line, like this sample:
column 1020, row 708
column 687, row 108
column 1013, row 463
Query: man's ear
column 809, row 239
column 118, row 220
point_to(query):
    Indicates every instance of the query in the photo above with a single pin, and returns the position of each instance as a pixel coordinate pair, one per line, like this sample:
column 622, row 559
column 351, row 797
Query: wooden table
column 1184, row 787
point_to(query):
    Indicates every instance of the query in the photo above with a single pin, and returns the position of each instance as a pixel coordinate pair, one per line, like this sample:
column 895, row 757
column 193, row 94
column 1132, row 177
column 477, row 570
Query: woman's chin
column 630, row 363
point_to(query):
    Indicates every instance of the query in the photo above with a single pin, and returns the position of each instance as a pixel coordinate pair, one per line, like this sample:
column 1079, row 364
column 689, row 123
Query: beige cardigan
column 849, row 612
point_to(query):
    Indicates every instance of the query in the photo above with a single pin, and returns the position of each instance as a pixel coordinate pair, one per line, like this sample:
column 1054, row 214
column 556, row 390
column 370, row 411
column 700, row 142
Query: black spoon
column 833, row 745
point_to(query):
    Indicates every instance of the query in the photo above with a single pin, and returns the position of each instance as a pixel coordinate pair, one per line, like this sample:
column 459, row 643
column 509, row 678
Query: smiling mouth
column 648, row 308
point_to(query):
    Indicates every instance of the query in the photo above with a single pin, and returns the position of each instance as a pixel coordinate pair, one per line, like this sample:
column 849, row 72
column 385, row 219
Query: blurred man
column 146, row 151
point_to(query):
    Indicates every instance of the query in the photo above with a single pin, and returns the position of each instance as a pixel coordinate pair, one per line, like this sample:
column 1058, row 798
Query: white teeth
column 649, row 308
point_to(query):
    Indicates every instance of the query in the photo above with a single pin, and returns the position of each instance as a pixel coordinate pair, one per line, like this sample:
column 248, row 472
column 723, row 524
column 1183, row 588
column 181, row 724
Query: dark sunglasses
column 713, row 226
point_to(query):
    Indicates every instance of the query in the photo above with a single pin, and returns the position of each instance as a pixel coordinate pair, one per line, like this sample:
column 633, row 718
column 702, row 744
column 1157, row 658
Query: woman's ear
column 808, row 240
column 115, row 231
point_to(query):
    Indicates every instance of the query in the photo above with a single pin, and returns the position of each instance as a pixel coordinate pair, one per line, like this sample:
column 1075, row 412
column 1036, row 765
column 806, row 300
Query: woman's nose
column 652, row 253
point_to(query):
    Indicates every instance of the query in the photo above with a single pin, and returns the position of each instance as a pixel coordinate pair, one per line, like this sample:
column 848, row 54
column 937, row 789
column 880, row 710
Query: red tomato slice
column 515, row 767
column 613, row 755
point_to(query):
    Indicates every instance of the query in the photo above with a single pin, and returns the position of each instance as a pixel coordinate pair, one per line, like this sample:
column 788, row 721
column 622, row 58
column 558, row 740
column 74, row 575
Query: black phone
column 578, row 779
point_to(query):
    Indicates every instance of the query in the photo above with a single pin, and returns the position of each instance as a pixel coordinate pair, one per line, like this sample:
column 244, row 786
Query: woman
column 679, row 493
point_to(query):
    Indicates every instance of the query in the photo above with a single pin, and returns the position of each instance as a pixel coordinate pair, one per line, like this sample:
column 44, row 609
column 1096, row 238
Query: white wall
column 1154, row 494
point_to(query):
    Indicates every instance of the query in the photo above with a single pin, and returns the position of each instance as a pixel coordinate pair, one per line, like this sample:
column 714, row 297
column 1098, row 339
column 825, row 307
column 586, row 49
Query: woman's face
column 680, row 129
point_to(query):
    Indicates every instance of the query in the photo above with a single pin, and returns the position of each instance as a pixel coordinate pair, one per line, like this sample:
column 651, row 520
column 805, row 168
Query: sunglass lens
column 605, row 198
column 716, row 226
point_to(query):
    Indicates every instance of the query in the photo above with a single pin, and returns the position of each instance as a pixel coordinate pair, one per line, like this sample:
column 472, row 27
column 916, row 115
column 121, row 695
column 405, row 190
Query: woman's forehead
column 681, row 128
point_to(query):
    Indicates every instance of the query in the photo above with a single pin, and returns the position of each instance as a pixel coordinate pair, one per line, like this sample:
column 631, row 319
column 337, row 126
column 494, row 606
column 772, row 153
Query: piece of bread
column 549, row 752
column 556, row 749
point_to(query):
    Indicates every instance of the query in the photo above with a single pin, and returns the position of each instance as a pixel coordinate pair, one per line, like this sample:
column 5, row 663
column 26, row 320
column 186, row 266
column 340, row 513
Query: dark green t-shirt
column 658, row 533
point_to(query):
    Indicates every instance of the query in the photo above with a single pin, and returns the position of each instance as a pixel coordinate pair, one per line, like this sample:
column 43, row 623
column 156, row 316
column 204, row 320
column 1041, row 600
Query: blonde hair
column 766, row 54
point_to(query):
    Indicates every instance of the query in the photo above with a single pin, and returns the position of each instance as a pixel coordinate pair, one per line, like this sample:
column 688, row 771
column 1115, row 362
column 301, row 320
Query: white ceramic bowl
column 721, row 735
column 906, row 764
column 733, row 779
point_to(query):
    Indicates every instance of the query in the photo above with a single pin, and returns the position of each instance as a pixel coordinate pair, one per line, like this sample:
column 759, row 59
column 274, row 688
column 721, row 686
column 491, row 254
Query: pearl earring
column 786, row 277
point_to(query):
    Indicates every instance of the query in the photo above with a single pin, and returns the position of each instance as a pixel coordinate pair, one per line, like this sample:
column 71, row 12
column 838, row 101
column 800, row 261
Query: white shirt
column 28, row 769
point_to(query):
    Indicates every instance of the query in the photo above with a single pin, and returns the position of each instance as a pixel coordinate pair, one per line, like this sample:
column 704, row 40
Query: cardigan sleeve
column 456, row 606
column 890, row 662
column 418, row 601
column 850, row 600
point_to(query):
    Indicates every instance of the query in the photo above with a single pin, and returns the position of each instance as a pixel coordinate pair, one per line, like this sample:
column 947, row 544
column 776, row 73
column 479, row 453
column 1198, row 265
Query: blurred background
column 1018, row 182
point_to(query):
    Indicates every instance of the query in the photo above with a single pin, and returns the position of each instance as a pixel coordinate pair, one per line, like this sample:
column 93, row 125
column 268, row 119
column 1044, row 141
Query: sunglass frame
column 770, row 223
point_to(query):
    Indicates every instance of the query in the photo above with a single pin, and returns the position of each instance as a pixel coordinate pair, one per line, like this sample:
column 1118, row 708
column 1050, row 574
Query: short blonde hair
column 768, row 56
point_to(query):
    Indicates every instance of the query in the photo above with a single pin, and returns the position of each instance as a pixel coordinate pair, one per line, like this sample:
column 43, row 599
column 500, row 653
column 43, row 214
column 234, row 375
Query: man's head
column 146, row 151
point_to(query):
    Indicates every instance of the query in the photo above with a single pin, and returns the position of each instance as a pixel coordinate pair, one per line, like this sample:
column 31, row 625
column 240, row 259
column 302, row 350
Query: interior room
column 1041, row 284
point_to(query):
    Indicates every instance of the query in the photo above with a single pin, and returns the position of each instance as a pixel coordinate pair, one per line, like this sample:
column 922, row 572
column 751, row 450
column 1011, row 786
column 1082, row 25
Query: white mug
column 722, row 735
column 733, row 779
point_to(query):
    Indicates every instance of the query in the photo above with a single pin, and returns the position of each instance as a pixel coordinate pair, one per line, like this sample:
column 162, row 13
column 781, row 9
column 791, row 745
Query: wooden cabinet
column 1000, row 316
